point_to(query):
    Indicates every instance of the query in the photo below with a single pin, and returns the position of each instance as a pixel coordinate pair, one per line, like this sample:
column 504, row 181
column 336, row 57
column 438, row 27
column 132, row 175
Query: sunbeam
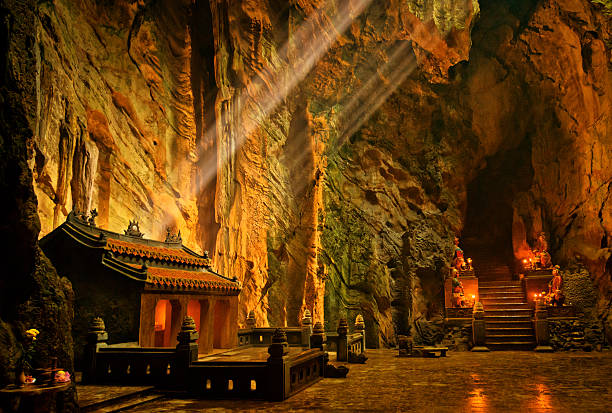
column 260, row 97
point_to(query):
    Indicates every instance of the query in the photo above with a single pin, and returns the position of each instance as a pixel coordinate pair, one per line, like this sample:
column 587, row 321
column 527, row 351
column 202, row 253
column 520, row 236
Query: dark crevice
column 204, row 89
column 490, row 200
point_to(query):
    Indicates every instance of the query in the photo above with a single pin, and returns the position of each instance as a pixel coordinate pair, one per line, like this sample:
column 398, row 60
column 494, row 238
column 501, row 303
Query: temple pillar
column 146, row 335
column 210, row 323
column 206, row 328
column 232, row 322
column 178, row 313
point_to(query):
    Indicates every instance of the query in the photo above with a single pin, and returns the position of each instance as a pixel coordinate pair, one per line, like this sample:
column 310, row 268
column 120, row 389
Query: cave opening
column 487, row 234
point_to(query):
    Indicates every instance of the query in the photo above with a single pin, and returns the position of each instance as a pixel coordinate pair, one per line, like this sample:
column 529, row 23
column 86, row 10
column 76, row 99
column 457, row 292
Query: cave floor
column 504, row 381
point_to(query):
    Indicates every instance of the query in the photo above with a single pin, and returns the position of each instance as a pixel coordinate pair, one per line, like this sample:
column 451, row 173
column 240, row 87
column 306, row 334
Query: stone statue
column 555, row 288
column 541, row 243
column 458, row 261
column 457, row 289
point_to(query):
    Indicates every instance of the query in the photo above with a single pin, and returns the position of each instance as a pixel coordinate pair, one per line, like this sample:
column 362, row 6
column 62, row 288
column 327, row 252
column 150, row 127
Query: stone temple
column 325, row 205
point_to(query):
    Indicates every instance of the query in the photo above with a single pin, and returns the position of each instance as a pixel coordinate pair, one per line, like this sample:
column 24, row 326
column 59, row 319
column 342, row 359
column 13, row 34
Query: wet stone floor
column 506, row 381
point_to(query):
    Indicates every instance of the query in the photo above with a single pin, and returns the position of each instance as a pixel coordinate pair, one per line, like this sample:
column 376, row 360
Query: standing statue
column 457, row 288
column 555, row 288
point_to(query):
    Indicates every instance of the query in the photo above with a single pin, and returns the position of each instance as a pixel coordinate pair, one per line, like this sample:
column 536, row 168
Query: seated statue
column 545, row 260
column 541, row 243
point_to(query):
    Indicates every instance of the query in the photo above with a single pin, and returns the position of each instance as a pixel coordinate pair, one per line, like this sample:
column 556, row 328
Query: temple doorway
column 167, row 322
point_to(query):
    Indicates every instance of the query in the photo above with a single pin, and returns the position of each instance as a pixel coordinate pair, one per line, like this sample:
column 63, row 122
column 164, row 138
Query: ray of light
column 261, row 96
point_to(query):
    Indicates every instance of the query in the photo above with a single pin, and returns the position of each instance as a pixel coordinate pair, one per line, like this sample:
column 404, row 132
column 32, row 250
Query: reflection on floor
column 462, row 382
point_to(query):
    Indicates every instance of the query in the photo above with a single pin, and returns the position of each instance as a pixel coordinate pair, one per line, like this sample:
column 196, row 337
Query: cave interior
column 204, row 183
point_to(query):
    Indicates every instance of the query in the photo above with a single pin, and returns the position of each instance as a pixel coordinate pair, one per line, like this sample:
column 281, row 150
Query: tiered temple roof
column 160, row 265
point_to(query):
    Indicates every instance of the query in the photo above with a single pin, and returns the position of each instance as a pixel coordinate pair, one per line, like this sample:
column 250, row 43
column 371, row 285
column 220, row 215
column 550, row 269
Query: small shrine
column 542, row 279
column 142, row 288
column 461, row 287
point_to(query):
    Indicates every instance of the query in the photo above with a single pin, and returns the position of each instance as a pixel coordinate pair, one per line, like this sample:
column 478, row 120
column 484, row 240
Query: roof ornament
column 91, row 220
column 170, row 237
column 133, row 230
column 86, row 218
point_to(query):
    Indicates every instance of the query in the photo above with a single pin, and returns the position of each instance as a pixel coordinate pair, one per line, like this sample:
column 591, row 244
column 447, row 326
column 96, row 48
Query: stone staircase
column 507, row 314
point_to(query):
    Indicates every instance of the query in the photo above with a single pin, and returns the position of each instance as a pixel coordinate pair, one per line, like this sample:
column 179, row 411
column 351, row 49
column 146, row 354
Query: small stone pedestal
column 342, row 350
column 186, row 352
column 541, row 328
column 279, row 377
column 478, row 328
column 96, row 338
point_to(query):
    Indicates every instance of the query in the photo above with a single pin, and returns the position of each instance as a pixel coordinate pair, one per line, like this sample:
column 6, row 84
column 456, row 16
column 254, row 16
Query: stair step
column 508, row 304
column 516, row 345
column 507, row 318
column 509, row 294
column 128, row 404
column 502, row 286
column 118, row 401
column 506, row 300
column 499, row 283
column 510, row 338
column 509, row 311
column 508, row 324
column 508, row 331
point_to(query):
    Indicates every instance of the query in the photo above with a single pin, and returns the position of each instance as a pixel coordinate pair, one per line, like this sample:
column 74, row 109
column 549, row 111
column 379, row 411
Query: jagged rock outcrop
column 327, row 152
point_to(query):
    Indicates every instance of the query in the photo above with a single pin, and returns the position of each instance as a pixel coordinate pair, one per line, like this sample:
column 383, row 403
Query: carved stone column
column 251, row 321
column 96, row 338
column 186, row 352
column 360, row 328
column 306, row 328
column 318, row 339
column 279, row 377
column 342, row 350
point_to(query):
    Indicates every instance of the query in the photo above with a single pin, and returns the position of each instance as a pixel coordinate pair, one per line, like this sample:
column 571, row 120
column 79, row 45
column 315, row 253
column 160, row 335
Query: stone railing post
column 541, row 328
column 342, row 350
column 478, row 328
column 251, row 321
column 318, row 338
column 279, row 376
column 186, row 352
column 306, row 328
column 360, row 328
column 96, row 338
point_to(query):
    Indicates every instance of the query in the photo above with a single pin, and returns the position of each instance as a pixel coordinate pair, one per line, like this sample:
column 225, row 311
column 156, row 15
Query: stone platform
column 503, row 381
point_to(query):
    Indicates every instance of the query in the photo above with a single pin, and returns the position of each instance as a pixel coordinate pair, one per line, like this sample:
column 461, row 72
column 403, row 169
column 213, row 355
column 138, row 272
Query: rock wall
column 323, row 151
column 32, row 295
